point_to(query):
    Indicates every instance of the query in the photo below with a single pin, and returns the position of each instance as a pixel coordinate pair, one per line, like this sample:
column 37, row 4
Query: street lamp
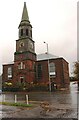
column 48, row 67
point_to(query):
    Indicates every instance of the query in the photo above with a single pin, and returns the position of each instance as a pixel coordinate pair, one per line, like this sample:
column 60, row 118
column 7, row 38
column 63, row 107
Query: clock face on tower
column 21, row 44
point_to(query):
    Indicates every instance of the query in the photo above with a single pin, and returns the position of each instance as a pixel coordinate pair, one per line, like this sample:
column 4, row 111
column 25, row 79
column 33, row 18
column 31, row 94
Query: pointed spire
column 25, row 16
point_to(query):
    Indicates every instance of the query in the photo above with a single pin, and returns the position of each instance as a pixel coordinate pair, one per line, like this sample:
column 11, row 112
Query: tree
column 76, row 71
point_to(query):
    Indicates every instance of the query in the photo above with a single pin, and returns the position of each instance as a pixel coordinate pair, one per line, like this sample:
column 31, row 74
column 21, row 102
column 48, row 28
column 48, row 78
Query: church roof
column 45, row 56
column 25, row 16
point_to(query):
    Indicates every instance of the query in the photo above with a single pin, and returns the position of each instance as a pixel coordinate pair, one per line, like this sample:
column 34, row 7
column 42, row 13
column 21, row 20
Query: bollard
column 15, row 98
column 4, row 98
column 27, row 99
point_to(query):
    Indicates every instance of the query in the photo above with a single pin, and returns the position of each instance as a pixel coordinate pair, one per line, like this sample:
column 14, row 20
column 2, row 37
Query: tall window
column 31, row 33
column 27, row 32
column 9, row 72
column 21, row 32
column 39, row 71
column 52, row 69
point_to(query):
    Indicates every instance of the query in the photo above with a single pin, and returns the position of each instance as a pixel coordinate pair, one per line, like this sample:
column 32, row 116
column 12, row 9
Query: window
column 21, row 32
column 27, row 32
column 9, row 72
column 21, row 65
column 31, row 33
column 52, row 69
column 39, row 71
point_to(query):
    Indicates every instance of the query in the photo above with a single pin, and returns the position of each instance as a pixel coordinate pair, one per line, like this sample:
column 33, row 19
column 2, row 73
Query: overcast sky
column 53, row 21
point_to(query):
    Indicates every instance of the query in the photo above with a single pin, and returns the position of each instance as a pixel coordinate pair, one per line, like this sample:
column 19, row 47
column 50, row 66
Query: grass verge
column 16, row 104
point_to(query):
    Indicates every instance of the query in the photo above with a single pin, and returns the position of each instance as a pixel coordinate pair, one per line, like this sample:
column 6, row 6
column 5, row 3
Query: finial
column 25, row 4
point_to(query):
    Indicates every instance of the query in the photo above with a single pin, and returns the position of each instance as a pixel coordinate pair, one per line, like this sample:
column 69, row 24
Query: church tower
column 24, row 57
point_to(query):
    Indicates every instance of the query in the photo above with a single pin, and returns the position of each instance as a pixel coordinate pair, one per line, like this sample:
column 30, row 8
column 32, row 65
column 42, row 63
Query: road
column 63, row 104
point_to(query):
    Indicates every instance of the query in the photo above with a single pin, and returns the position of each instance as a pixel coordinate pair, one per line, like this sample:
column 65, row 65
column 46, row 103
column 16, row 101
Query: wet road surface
column 63, row 104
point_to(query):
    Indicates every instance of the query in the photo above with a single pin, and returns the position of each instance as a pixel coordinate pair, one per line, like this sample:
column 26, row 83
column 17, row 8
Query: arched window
column 21, row 32
column 52, row 69
column 9, row 72
column 27, row 32
column 39, row 71
column 31, row 33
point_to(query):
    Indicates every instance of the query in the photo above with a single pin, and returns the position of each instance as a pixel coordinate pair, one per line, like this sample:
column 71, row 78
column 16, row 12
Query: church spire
column 25, row 28
column 25, row 16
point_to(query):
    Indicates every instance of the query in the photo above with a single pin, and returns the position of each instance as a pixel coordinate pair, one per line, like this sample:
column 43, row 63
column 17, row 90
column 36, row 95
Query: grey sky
column 78, row 31
column 53, row 21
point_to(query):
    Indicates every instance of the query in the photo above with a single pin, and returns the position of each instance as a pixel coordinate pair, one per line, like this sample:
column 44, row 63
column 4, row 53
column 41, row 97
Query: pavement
column 62, row 105
column 37, row 111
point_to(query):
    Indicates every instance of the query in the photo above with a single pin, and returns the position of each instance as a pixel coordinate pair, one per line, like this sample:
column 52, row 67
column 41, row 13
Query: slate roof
column 45, row 56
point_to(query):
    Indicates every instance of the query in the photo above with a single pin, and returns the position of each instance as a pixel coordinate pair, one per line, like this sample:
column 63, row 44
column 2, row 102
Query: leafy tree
column 76, row 70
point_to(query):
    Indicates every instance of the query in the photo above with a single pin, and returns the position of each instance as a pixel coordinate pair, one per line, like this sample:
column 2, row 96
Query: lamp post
column 48, row 67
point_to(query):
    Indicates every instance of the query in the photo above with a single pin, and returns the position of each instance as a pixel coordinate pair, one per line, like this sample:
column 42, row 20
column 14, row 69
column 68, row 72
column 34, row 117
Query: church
column 32, row 69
